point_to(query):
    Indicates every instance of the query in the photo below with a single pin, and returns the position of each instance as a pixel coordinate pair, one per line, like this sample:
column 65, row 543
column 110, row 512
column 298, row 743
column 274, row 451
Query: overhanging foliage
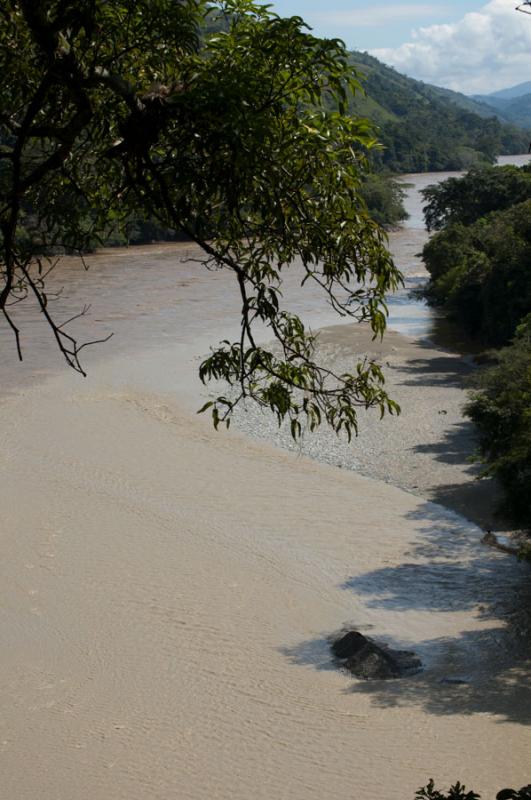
column 112, row 109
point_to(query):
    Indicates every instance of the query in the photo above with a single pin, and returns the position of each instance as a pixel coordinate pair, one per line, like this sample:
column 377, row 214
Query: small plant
column 459, row 792
column 512, row 794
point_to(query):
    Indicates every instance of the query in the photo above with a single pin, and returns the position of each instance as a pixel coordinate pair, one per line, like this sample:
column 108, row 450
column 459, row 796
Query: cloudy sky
column 472, row 47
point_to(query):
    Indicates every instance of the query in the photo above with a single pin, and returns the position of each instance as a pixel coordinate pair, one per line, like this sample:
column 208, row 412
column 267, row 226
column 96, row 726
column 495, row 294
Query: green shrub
column 479, row 192
column 459, row 792
column 384, row 198
column 501, row 410
column 480, row 274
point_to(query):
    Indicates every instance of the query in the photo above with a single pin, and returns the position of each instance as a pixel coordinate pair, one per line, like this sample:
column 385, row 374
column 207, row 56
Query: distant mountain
column 425, row 128
column 513, row 91
column 472, row 104
column 509, row 106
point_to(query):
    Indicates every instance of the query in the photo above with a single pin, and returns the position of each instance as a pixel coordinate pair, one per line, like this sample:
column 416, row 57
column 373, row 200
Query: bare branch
column 15, row 331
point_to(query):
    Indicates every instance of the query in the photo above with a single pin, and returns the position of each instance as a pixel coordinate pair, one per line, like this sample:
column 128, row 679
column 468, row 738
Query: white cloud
column 378, row 15
column 484, row 51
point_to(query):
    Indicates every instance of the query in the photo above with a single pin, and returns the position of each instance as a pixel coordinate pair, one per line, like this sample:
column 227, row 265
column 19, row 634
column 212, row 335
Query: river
column 166, row 592
column 150, row 296
column 414, row 317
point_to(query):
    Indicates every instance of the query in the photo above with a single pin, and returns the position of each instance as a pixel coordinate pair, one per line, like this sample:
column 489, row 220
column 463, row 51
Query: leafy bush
column 384, row 198
column 479, row 265
column 479, row 274
column 501, row 410
column 459, row 792
column 480, row 191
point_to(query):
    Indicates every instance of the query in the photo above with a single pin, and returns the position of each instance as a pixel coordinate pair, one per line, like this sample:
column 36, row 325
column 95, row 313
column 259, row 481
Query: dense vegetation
column 384, row 197
column 501, row 409
column 480, row 274
column 482, row 190
column 424, row 128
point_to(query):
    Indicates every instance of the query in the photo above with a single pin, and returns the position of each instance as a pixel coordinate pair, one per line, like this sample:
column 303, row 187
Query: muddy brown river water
column 167, row 592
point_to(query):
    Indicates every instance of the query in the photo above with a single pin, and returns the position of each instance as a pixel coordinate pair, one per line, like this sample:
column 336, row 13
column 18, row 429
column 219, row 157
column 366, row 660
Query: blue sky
column 470, row 46
column 365, row 25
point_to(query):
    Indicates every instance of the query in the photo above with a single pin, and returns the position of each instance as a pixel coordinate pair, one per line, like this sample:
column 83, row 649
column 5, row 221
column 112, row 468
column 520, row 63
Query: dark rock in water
column 371, row 661
column 349, row 644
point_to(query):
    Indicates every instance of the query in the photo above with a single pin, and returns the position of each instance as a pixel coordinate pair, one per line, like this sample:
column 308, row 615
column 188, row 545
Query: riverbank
column 426, row 450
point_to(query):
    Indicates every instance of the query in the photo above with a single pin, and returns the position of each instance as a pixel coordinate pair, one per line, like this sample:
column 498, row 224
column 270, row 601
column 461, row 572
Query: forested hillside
column 424, row 128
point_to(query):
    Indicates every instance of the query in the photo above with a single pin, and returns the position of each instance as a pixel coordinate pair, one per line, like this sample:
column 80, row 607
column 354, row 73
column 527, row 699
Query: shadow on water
column 504, row 688
column 314, row 653
column 504, row 692
column 477, row 500
column 449, row 570
column 484, row 670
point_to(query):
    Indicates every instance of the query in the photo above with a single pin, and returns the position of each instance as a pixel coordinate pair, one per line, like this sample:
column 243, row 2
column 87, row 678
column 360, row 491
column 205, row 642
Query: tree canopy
column 112, row 109
column 479, row 258
column 501, row 410
column 479, row 274
column 482, row 190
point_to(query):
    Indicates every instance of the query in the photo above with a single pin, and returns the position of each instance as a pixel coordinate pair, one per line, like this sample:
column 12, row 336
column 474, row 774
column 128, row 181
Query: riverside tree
column 221, row 121
column 501, row 410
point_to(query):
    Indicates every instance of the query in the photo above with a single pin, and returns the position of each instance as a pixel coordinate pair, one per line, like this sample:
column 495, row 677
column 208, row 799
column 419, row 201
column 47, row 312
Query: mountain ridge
column 512, row 104
column 512, row 91
column 426, row 128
